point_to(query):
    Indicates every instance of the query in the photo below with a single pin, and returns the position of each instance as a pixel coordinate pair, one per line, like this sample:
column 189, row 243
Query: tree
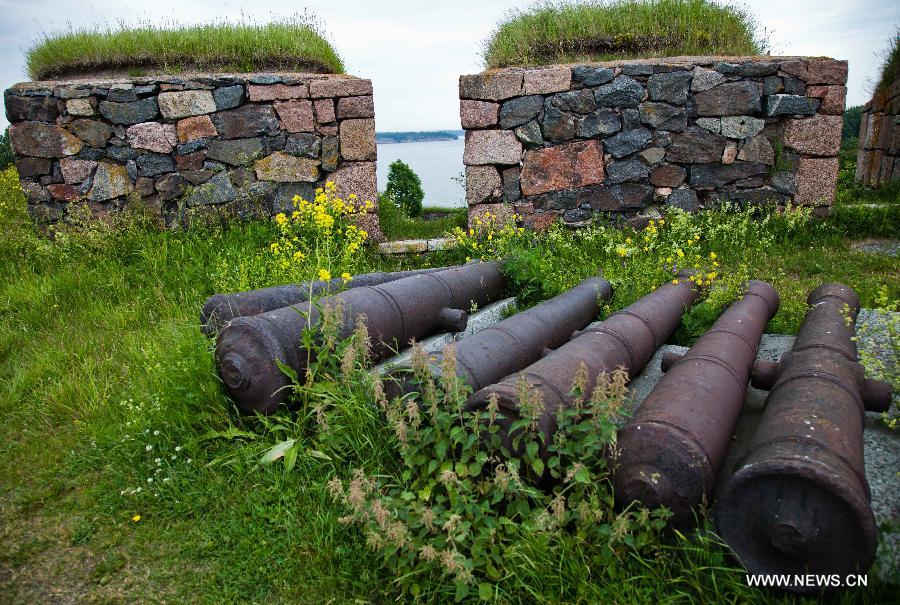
column 405, row 188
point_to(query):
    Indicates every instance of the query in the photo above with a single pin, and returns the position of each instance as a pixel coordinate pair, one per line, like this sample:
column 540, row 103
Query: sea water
column 436, row 163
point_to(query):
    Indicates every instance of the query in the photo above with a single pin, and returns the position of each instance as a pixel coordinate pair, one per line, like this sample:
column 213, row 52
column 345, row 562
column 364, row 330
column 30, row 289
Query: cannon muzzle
column 249, row 349
column 627, row 340
column 799, row 502
column 670, row 452
column 219, row 309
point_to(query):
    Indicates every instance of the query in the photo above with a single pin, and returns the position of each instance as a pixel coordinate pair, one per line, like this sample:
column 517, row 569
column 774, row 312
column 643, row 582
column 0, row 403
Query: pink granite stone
column 324, row 110
column 356, row 107
column 296, row 116
column 833, row 98
column 358, row 140
column 478, row 114
column 339, row 87
column 154, row 136
column 483, row 184
column 816, row 180
column 277, row 92
column 76, row 171
column 816, row 135
column 547, row 80
column 492, row 147
column 562, row 167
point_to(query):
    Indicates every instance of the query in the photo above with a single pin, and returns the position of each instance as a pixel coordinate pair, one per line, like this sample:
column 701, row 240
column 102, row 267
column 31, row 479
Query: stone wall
column 628, row 137
column 878, row 159
column 192, row 146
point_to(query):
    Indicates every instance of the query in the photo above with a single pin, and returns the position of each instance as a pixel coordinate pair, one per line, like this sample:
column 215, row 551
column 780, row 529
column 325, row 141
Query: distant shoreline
column 386, row 138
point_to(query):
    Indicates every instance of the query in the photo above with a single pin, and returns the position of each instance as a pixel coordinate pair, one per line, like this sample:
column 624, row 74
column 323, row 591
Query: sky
column 414, row 51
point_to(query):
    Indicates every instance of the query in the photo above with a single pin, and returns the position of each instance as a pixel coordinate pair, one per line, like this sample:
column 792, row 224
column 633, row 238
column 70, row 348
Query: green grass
column 890, row 69
column 570, row 32
column 297, row 44
column 397, row 225
column 103, row 371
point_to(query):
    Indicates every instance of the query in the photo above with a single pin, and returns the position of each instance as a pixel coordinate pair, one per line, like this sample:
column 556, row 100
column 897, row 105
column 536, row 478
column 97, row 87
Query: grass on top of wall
column 890, row 69
column 296, row 44
column 567, row 32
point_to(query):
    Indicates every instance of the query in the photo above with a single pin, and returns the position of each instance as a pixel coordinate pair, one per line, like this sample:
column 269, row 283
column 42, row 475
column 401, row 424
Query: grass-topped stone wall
column 627, row 136
column 192, row 146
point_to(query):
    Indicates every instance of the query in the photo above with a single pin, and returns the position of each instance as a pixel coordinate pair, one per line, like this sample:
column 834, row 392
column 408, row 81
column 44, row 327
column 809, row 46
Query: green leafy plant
column 404, row 188
column 461, row 501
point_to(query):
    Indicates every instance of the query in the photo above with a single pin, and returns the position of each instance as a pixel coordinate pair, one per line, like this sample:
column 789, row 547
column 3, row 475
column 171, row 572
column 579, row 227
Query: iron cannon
column 518, row 341
column 670, row 452
column 249, row 349
column 799, row 502
column 627, row 339
column 219, row 309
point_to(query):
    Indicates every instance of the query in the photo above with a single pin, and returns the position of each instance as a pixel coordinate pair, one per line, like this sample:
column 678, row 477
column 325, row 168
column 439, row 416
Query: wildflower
column 712, row 256
column 149, row 447
column 680, row 253
column 621, row 251
column 674, row 282
column 346, row 277
column 136, row 518
column 280, row 218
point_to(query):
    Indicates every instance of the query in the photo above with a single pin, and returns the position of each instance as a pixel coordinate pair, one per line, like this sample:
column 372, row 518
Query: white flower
column 156, row 432
column 177, row 448
column 149, row 447
column 188, row 460
column 149, row 479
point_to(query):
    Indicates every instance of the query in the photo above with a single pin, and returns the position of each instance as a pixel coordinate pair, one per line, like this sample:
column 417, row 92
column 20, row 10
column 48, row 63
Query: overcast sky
column 414, row 51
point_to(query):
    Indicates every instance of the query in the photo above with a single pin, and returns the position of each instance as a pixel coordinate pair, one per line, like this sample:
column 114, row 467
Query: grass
column 397, row 225
column 569, row 32
column 890, row 69
column 106, row 382
column 296, row 44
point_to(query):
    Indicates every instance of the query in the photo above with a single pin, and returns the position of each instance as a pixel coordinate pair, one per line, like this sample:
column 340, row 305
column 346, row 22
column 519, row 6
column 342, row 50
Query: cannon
column 518, row 341
column 876, row 395
column 798, row 501
column 626, row 339
column 219, row 309
column 670, row 452
column 249, row 349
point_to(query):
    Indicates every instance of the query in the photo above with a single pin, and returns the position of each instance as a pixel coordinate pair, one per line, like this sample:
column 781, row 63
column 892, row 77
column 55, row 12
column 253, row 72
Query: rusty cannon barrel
column 799, row 502
column 518, row 341
column 219, row 309
column 395, row 313
column 628, row 339
column 670, row 452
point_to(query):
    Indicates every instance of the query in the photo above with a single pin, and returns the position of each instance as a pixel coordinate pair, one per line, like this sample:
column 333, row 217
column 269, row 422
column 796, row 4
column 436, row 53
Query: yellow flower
column 715, row 263
column 669, row 259
column 627, row 240
column 346, row 277
column 621, row 251
column 280, row 218
column 324, row 274
column 712, row 275
column 136, row 518
column 680, row 253
column 298, row 256
column 674, row 282
column 712, row 255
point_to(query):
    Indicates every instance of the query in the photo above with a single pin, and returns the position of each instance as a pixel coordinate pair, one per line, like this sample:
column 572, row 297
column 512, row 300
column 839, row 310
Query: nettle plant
column 453, row 515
